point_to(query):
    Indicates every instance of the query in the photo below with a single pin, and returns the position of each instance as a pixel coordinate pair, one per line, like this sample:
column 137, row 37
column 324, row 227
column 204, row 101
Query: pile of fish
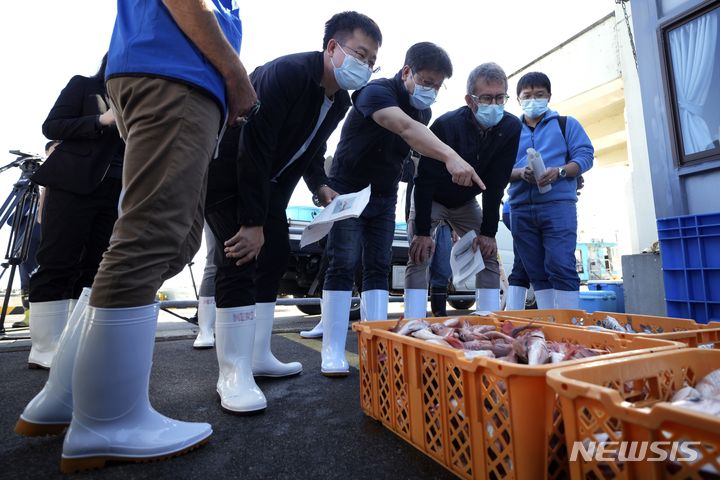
column 704, row 397
column 611, row 323
column 525, row 345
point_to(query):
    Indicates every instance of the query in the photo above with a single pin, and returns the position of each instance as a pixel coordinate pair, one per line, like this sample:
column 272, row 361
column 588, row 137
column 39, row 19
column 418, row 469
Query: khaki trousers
column 170, row 130
column 461, row 219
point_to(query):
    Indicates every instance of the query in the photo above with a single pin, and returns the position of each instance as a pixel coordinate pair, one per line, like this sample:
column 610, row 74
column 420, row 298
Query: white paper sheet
column 343, row 206
column 465, row 262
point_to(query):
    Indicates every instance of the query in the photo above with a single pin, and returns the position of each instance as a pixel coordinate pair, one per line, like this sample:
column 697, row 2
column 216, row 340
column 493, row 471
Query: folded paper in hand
column 465, row 262
column 350, row 205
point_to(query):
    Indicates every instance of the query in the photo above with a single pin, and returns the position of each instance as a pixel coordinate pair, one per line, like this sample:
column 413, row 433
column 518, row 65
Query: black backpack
column 562, row 121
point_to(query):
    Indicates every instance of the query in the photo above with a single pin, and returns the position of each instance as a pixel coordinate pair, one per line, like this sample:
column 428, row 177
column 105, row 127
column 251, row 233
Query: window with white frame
column 694, row 53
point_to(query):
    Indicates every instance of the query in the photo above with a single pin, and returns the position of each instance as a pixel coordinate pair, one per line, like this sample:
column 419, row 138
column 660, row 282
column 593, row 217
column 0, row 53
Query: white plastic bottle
column 538, row 166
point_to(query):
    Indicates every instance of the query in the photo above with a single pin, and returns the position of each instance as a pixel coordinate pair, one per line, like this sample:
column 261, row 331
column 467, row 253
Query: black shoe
column 21, row 324
column 438, row 301
column 193, row 319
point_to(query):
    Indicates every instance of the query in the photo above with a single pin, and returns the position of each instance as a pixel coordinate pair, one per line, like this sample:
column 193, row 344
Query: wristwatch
column 562, row 173
column 315, row 198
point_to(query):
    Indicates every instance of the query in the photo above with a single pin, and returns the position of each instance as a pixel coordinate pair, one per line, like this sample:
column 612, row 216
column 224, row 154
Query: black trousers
column 76, row 231
column 253, row 282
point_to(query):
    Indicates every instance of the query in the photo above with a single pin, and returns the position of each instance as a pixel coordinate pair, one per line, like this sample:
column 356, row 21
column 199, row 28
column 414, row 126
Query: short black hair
column 533, row 80
column 342, row 25
column 428, row 56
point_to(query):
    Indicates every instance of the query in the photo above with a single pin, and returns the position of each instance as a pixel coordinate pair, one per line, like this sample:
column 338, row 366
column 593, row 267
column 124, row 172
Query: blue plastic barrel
column 602, row 300
column 613, row 286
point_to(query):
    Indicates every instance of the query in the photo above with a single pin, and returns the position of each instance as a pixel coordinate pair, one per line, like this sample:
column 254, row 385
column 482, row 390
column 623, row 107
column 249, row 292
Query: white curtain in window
column 693, row 58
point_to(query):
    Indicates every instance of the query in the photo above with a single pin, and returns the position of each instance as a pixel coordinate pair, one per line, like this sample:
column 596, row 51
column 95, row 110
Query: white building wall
column 638, row 192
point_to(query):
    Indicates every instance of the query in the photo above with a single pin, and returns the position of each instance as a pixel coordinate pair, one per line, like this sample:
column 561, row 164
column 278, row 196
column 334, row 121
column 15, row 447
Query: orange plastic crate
column 480, row 418
column 667, row 328
column 625, row 400
column 562, row 317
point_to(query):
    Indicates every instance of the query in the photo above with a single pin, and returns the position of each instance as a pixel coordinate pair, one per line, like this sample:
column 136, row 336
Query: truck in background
column 306, row 268
column 305, row 272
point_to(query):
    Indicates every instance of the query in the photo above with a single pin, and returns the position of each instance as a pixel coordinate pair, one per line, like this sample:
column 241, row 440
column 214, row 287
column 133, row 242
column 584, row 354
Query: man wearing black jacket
column 303, row 97
column 487, row 137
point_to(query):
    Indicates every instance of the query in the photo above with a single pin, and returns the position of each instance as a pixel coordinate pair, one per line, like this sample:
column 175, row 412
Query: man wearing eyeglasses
column 389, row 116
column 302, row 97
column 486, row 135
column 544, row 225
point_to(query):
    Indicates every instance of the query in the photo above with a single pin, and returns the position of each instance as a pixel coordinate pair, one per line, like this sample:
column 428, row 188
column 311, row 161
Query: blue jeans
column 368, row 237
column 518, row 277
column 546, row 235
column 440, row 267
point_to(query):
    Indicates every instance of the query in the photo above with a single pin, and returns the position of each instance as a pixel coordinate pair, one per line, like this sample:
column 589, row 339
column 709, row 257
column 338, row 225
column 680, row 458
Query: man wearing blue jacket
column 544, row 225
column 303, row 98
column 174, row 76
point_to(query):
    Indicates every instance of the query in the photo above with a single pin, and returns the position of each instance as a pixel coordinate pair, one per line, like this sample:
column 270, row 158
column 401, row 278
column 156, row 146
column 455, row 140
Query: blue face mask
column 352, row 74
column 534, row 108
column 489, row 115
column 423, row 97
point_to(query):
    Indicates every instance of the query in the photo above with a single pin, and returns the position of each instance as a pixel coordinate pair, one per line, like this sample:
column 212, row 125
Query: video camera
column 27, row 162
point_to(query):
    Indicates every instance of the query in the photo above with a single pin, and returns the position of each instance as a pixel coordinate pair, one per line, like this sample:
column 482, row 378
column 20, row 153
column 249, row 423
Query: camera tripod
column 21, row 206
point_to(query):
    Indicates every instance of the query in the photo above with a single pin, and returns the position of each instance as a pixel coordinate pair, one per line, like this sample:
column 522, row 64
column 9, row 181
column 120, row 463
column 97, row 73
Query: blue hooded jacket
column 146, row 41
column 547, row 138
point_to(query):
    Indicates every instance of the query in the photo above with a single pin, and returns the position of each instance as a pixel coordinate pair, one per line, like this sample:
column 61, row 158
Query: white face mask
column 489, row 115
column 423, row 97
column 534, row 107
column 352, row 74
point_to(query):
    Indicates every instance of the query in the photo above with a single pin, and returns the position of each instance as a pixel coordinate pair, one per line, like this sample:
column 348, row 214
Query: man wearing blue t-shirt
column 174, row 76
column 389, row 116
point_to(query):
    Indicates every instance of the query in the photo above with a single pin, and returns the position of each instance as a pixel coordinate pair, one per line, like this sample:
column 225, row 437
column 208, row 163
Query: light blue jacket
column 547, row 139
column 146, row 41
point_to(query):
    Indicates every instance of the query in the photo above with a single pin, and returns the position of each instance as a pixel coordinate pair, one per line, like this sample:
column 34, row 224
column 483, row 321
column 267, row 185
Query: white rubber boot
column 264, row 363
column 374, row 305
column 50, row 412
column 206, row 323
column 47, row 322
column 315, row 332
column 516, row 297
column 567, row 299
column 235, row 336
column 415, row 303
column 545, row 299
column 335, row 319
column 112, row 416
column 487, row 300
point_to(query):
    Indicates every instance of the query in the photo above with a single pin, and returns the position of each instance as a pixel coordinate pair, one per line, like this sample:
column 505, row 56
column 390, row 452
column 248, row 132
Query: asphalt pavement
column 313, row 427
